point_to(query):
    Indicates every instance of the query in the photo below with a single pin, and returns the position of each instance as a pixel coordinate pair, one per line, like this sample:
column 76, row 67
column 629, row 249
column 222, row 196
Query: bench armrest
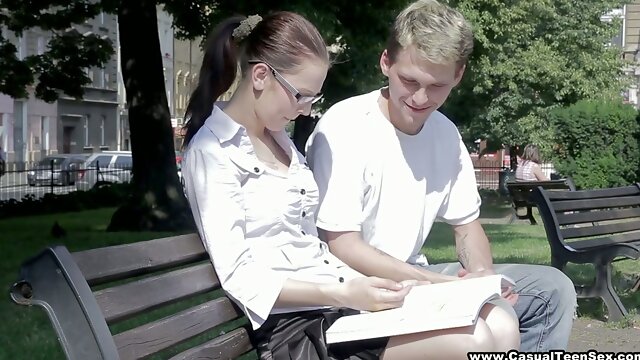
column 53, row 281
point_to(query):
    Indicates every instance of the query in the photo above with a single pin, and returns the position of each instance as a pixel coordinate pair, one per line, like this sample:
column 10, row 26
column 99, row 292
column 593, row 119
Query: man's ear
column 259, row 74
column 459, row 73
column 385, row 62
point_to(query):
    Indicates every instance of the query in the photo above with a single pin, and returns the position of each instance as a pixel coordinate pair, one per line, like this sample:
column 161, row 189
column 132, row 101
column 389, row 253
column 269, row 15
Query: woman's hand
column 372, row 293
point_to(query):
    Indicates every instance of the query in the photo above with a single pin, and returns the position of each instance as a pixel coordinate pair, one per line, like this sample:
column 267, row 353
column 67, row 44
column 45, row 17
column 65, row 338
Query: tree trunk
column 157, row 202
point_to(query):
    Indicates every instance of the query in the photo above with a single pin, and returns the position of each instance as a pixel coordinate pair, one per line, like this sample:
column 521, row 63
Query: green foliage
column 61, row 67
column 360, row 27
column 29, row 205
column 596, row 142
column 530, row 56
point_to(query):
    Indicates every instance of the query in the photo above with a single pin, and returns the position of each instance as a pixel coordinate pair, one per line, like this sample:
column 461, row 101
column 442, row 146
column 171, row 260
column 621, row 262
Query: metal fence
column 488, row 177
column 34, row 179
column 37, row 179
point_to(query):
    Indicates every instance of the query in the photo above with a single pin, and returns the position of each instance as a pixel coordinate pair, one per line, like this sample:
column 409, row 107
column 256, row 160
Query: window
column 102, row 78
column 44, row 131
column 102, row 130
column 101, row 160
column 21, row 50
column 106, row 80
column 102, row 17
column 86, row 131
column 123, row 162
column 89, row 74
column 616, row 15
column 40, row 45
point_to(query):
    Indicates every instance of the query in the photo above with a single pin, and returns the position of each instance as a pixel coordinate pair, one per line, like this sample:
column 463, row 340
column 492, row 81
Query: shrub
column 596, row 143
column 103, row 196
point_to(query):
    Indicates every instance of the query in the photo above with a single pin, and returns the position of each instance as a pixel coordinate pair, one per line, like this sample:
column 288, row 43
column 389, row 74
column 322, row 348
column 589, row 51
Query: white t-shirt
column 388, row 185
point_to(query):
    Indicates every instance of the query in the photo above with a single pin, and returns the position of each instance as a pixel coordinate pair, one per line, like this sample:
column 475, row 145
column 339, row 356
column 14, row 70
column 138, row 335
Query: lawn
column 25, row 333
column 527, row 244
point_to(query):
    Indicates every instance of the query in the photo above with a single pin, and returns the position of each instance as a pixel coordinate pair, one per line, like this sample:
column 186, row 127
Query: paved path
column 593, row 334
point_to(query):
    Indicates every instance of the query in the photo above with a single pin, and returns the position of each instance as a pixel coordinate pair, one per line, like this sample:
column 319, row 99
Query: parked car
column 105, row 168
column 65, row 168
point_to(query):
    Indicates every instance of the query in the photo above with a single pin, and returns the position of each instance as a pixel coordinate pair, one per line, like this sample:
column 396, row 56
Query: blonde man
column 388, row 165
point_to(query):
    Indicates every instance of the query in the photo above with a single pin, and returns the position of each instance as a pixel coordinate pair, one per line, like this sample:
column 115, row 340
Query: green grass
column 26, row 333
column 527, row 244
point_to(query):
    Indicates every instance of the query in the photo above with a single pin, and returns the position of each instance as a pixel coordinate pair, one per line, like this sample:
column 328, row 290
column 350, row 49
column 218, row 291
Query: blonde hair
column 440, row 34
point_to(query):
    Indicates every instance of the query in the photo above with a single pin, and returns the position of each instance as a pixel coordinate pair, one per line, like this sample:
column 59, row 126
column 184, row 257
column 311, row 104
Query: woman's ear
column 259, row 74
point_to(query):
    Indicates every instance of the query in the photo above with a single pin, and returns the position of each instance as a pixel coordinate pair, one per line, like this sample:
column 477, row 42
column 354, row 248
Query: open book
column 426, row 307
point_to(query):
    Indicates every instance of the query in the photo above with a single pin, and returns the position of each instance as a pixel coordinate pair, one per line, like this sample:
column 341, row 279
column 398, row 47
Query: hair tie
column 246, row 26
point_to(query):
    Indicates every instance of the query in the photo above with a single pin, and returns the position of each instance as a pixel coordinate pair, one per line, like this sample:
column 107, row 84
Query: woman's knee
column 482, row 339
column 505, row 329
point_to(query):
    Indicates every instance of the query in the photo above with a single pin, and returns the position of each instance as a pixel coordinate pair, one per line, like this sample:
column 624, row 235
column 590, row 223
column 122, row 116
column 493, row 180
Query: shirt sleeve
column 213, row 189
column 462, row 204
column 333, row 158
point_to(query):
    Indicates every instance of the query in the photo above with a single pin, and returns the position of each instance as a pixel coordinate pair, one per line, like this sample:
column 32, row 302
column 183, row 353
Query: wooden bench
column 88, row 294
column 593, row 227
column 520, row 192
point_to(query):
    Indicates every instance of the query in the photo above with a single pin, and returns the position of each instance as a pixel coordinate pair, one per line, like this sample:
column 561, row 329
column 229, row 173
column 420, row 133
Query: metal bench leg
column 615, row 308
column 558, row 263
column 532, row 220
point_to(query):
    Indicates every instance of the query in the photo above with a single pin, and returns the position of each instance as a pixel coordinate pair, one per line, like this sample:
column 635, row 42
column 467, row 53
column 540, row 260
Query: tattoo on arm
column 463, row 253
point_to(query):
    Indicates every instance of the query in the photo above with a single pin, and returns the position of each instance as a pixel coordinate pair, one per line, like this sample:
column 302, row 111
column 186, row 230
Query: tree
column 530, row 56
column 157, row 201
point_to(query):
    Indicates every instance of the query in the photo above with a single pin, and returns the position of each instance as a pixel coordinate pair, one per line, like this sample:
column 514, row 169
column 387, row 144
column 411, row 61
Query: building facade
column 27, row 126
column 31, row 129
column 630, row 42
column 188, row 59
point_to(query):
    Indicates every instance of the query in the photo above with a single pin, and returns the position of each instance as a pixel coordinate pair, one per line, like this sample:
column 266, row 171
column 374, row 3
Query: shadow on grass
column 495, row 206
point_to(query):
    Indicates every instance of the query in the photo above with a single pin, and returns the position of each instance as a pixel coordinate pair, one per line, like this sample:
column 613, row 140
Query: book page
column 426, row 307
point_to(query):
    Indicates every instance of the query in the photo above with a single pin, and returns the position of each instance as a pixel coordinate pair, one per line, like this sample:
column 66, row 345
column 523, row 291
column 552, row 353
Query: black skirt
column 301, row 335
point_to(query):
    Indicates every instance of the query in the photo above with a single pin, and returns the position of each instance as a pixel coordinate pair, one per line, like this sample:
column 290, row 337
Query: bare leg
column 449, row 344
column 503, row 323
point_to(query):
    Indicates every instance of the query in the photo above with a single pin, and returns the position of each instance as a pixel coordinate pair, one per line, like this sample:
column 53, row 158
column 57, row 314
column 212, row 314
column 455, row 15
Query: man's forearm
column 368, row 260
column 472, row 247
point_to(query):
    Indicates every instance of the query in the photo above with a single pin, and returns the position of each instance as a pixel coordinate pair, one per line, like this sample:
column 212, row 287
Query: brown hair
column 531, row 153
column 282, row 39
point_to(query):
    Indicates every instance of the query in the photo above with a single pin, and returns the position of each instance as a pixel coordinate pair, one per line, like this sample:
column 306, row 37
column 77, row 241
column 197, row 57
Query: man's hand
column 507, row 292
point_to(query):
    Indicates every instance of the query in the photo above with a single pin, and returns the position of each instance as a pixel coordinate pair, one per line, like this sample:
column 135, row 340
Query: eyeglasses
column 301, row 99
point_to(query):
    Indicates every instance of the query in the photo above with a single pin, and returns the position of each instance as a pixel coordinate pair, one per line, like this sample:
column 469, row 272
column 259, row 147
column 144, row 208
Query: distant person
column 529, row 168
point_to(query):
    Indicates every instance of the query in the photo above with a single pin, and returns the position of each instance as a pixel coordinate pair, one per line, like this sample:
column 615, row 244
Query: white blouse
column 257, row 224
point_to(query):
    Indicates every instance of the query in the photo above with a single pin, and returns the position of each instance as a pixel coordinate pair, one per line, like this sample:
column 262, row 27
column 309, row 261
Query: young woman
column 529, row 169
column 254, row 201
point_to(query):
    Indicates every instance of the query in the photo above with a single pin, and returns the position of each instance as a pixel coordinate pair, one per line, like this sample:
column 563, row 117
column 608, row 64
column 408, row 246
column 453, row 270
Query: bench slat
column 124, row 261
column 616, row 228
column 632, row 238
column 164, row 333
column 228, row 346
column 594, row 194
column 124, row 301
column 589, row 204
column 594, row 216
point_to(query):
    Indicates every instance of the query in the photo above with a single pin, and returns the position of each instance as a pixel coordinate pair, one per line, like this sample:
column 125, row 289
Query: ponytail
column 217, row 73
